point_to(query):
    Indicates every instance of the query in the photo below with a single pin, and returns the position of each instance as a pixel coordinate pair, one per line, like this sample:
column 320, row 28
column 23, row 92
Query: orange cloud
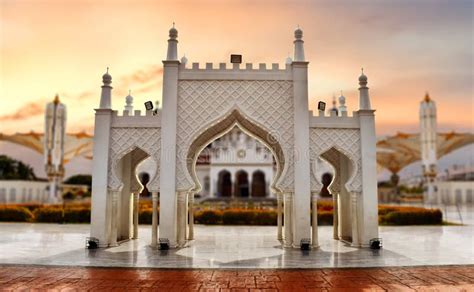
column 31, row 109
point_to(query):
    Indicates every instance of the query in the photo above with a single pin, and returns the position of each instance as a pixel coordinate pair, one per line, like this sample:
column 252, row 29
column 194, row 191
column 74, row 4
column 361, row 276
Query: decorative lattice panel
column 125, row 140
column 268, row 103
column 345, row 141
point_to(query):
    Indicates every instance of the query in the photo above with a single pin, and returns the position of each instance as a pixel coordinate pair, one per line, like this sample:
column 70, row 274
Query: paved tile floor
column 235, row 247
column 454, row 278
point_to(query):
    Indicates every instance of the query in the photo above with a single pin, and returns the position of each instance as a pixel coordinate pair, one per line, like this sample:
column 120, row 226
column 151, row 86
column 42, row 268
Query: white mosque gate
column 202, row 104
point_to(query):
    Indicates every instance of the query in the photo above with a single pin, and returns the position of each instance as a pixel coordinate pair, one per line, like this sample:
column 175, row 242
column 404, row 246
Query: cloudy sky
column 406, row 47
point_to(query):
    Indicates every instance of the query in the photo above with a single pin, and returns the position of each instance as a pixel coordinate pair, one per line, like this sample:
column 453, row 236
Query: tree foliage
column 12, row 169
column 79, row 179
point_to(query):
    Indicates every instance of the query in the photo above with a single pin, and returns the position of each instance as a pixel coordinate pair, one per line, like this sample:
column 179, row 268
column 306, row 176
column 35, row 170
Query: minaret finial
column 173, row 24
column 107, row 70
column 129, row 92
column 362, row 69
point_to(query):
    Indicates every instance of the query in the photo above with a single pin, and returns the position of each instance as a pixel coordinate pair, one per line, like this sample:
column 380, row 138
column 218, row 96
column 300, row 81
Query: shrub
column 208, row 217
column 49, row 215
column 325, row 206
column 238, row 217
column 325, row 217
column 15, row 214
column 418, row 216
column 265, row 217
column 77, row 215
column 145, row 216
column 29, row 206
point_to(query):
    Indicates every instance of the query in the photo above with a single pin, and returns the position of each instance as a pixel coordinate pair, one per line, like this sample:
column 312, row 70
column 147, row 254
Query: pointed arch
column 222, row 126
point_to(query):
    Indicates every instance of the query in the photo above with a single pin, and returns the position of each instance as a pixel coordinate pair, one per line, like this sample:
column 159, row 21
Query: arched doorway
column 258, row 184
column 241, row 184
column 125, row 212
column 344, row 225
column 224, row 185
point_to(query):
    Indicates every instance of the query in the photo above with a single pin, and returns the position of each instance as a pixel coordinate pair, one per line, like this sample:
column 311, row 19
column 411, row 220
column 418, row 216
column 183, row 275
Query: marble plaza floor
column 235, row 247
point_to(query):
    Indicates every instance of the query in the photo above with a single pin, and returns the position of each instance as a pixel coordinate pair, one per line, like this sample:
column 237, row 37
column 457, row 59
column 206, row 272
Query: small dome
column 184, row 60
column 342, row 100
column 362, row 77
column 427, row 97
column 129, row 99
column 173, row 32
column 298, row 33
column 106, row 78
column 288, row 61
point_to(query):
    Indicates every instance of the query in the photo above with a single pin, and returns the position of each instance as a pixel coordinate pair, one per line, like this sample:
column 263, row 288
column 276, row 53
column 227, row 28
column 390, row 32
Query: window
column 12, row 195
column 469, row 197
column 3, row 195
column 207, row 184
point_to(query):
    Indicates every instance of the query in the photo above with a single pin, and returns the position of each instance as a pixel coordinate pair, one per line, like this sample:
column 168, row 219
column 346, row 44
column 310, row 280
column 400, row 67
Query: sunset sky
column 406, row 48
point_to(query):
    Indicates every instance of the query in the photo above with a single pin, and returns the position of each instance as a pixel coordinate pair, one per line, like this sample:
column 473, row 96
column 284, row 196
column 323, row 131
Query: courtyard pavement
column 454, row 278
column 234, row 247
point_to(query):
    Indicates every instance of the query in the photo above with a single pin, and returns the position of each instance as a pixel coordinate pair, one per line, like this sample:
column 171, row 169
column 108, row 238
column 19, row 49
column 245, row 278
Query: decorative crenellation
column 334, row 121
column 149, row 120
column 136, row 113
column 235, row 66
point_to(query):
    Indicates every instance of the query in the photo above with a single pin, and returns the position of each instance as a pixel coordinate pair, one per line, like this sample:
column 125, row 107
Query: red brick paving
column 34, row 278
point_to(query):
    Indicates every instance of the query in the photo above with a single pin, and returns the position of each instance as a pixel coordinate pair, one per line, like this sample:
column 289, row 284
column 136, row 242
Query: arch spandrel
column 345, row 141
column 124, row 141
column 269, row 103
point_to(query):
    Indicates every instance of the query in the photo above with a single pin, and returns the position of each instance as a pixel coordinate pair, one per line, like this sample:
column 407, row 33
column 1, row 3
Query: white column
column 99, row 209
column 135, row 214
column 168, row 220
column 181, row 216
column 368, row 205
column 279, row 215
column 288, row 197
column 314, row 220
column 154, row 219
column 191, row 216
column 250, row 184
column 335, row 214
column 355, row 222
column 301, row 159
column 113, row 233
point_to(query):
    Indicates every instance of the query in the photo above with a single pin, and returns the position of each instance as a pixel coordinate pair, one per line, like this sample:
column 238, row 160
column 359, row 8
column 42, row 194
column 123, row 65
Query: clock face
column 241, row 153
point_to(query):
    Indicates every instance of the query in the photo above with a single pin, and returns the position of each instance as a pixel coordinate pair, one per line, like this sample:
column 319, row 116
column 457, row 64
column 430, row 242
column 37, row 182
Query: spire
column 106, row 94
column 184, row 60
column 342, row 105
column 56, row 99
column 299, row 50
column 427, row 97
column 129, row 102
column 334, row 106
column 364, row 99
column 172, row 54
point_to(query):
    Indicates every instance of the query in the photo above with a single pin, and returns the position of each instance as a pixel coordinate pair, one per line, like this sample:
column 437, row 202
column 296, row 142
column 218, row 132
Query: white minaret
column 333, row 111
column 172, row 45
column 299, row 50
column 428, row 145
column 106, row 94
column 342, row 105
column 364, row 99
column 54, row 135
column 129, row 103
